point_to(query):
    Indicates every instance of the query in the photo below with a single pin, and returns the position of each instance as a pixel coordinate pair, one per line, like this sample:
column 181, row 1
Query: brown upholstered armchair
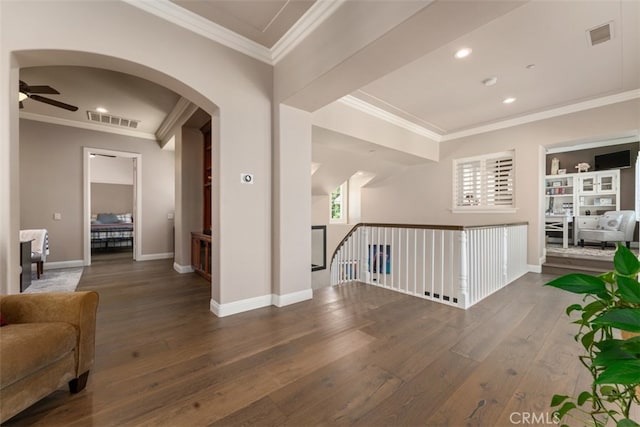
column 49, row 341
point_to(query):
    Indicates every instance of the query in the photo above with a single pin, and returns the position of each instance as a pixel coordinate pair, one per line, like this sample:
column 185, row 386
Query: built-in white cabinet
column 585, row 196
column 559, row 194
column 598, row 192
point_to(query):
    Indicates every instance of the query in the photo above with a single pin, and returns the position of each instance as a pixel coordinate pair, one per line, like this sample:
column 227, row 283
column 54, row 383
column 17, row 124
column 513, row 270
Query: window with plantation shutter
column 484, row 183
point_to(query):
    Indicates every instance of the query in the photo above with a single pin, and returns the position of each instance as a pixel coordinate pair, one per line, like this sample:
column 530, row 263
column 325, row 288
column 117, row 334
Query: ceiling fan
column 32, row 92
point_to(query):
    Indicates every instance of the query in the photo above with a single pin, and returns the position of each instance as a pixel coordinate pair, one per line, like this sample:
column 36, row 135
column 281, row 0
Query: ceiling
column 262, row 21
column 123, row 95
column 538, row 51
column 446, row 95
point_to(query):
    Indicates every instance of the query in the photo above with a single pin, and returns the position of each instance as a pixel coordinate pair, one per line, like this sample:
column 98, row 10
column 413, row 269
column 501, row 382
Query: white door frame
column 137, row 208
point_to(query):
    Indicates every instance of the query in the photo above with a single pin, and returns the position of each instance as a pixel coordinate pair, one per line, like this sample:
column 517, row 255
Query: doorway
column 112, row 213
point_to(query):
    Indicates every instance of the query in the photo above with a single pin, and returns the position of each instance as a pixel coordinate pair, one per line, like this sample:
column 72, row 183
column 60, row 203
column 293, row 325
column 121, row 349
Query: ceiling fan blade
column 54, row 102
column 43, row 89
column 25, row 88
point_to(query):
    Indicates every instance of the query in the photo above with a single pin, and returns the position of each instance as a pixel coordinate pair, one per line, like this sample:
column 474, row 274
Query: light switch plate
column 57, row 216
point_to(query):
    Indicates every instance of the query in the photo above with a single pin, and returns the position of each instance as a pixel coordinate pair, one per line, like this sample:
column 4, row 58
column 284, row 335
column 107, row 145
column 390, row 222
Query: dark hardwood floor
column 354, row 355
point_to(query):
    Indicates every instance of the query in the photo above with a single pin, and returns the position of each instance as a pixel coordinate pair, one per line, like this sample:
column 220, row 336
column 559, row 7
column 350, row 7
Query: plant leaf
column 629, row 289
column 587, row 339
column 625, row 262
column 558, row 399
column 627, row 423
column 584, row 396
column 565, row 408
column 593, row 308
column 627, row 319
column 607, row 390
column 613, row 351
column 624, row 372
column 573, row 307
column 579, row 284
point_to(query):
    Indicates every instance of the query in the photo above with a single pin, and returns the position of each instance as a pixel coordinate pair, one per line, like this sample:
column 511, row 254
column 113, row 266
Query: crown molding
column 381, row 114
column 174, row 116
column 88, row 126
column 304, row 26
column 193, row 22
column 184, row 18
column 584, row 145
column 548, row 114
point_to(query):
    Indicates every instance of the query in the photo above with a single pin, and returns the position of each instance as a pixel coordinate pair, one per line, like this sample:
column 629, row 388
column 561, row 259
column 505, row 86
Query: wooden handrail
column 419, row 226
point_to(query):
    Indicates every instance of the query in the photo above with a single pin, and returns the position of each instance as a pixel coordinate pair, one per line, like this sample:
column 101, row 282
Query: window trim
column 344, row 194
column 483, row 208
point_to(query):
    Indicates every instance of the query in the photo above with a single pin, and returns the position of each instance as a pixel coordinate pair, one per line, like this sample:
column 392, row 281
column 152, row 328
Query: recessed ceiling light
column 102, row 110
column 509, row 100
column 463, row 53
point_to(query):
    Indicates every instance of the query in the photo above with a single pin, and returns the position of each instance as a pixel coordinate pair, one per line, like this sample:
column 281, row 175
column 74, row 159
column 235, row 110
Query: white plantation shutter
column 484, row 182
column 468, row 185
column 499, row 181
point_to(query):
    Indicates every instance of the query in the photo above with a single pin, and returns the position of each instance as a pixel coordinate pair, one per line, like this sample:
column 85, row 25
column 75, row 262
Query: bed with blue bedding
column 111, row 231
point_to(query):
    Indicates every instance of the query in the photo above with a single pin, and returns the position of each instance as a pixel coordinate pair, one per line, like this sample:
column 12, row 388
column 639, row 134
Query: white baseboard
column 182, row 268
column 292, row 298
column 235, row 307
column 222, row 310
column 534, row 268
column 153, row 257
column 63, row 264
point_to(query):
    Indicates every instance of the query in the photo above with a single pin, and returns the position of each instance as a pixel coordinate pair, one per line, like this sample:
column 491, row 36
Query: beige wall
column 422, row 194
column 51, row 179
column 111, row 198
column 208, row 74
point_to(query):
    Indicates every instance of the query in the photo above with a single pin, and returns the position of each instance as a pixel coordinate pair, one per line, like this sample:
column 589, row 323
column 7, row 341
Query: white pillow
column 609, row 222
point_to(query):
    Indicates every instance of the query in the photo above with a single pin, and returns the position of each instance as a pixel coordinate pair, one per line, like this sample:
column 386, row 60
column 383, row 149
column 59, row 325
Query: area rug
column 58, row 280
column 586, row 252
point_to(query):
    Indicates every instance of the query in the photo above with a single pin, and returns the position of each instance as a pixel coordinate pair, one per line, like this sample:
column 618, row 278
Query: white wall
column 422, row 194
column 112, row 170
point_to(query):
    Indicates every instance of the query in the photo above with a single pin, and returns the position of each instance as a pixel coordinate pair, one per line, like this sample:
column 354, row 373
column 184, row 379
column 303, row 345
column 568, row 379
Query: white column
column 291, row 206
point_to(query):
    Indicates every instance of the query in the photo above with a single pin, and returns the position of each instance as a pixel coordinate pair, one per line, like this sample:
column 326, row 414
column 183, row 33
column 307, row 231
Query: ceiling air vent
column 600, row 34
column 108, row 119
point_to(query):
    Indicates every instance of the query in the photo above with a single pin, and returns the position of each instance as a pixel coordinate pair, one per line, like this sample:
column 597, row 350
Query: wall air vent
column 108, row 119
column 600, row 34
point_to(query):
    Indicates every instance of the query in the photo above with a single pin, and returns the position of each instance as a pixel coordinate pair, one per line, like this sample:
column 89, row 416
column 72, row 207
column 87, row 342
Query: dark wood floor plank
column 416, row 400
column 353, row 355
column 482, row 398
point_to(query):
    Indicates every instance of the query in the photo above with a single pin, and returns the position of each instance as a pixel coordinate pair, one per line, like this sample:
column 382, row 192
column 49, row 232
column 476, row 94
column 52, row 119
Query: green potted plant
column 611, row 302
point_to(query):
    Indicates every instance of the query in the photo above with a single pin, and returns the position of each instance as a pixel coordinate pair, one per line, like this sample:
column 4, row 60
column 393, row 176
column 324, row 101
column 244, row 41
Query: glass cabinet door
column 588, row 185
column 607, row 183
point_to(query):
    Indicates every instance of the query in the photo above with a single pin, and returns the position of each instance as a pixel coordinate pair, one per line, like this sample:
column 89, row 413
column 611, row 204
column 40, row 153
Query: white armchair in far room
column 613, row 226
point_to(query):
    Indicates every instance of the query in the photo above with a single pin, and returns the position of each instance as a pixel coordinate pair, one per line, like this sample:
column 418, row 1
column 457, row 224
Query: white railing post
column 505, row 255
column 463, row 277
